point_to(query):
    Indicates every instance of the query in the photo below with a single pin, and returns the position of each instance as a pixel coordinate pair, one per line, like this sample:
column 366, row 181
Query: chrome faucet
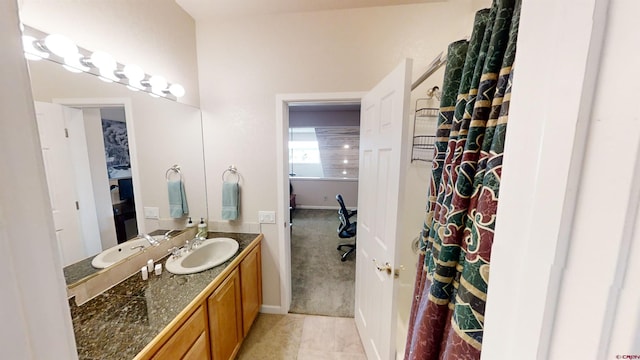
column 149, row 238
column 166, row 235
column 176, row 252
column 139, row 247
column 196, row 241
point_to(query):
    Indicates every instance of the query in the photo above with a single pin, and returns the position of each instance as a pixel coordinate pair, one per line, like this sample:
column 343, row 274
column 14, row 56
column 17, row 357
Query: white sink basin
column 210, row 253
column 121, row 251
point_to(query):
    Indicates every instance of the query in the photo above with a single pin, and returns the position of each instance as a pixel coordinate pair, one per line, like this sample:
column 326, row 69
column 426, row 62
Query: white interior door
column 60, row 180
column 383, row 124
column 84, row 181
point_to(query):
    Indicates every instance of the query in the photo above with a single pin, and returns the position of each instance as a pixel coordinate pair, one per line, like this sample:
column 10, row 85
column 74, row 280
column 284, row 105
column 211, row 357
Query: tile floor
column 302, row 337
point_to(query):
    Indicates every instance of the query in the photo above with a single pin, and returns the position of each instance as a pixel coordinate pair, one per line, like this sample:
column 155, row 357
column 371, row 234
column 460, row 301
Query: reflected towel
column 177, row 199
column 229, row 201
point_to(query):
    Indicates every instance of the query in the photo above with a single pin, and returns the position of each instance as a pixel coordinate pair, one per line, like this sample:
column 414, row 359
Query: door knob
column 386, row 267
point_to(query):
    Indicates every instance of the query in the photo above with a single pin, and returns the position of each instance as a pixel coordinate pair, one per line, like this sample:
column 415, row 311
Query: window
column 324, row 152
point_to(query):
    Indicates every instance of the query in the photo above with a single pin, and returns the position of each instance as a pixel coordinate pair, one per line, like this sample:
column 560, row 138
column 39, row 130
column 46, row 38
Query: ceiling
column 203, row 9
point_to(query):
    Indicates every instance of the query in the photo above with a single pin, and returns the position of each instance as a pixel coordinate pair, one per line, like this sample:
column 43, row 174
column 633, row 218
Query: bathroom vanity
column 205, row 315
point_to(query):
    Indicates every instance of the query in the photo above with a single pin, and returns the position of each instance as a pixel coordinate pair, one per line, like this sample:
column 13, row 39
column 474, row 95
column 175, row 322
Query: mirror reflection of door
column 91, row 191
column 118, row 162
column 53, row 121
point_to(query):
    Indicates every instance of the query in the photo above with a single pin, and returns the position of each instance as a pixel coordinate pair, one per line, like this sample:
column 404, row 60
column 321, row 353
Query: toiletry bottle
column 202, row 229
column 190, row 225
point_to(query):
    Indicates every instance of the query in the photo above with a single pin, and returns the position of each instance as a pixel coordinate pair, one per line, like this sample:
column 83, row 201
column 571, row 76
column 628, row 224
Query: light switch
column 267, row 217
column 151, row 212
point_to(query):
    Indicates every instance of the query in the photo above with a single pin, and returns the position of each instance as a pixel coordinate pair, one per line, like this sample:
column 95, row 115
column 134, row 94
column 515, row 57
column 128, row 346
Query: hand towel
column 177, row 199
column 229, row 201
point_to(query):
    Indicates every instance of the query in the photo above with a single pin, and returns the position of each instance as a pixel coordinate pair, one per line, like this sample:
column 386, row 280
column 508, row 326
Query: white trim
column 271, row 309
column 616, row 336
column 314, row 207
column 131, row 135
column 282, row 131
column 538, row 201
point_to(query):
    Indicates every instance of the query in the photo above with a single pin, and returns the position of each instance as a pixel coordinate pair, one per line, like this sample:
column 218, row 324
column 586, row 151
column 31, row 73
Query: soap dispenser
column 202, row 229
column 190, row 225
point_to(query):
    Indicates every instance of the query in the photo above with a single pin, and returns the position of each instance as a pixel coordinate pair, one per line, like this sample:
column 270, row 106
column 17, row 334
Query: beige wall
column 36, row 323
column 244, row 62
column 155, row 34
column 321, row 193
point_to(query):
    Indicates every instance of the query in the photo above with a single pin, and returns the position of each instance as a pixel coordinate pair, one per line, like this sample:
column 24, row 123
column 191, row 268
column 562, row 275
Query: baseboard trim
column 272, row 309
column 317, row 207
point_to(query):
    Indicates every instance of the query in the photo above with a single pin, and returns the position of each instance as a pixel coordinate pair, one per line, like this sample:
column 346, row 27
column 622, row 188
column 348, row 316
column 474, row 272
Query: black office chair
column 346, row 229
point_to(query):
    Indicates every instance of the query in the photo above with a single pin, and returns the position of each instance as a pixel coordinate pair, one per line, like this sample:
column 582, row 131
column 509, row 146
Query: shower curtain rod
column 435, row 65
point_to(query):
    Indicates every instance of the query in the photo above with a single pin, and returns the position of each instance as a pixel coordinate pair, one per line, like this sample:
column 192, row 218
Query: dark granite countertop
column 82, row 269
column 120, row 322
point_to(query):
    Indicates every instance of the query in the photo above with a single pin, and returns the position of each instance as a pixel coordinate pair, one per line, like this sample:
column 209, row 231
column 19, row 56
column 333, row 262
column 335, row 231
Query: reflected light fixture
column 58, row 48
column 135, row 74
column 158, row 85
column 177, row 90
column 60, row 45
column 346, row 146
column 30, row 50
column 73, row 63
column 345, row 161
column 106, row 64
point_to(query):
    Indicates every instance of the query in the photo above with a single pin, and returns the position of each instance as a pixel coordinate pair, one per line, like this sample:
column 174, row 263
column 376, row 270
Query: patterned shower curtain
column 447, row 314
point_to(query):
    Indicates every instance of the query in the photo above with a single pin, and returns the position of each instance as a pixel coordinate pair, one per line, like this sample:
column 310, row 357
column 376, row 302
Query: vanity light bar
column 58, row 48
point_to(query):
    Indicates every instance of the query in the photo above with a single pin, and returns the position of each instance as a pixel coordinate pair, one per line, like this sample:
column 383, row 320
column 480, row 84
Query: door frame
column 282, row 167
column 87, row 103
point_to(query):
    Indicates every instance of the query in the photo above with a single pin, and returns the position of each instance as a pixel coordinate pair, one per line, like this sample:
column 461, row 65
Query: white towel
column 177, row 199
column 230, row 201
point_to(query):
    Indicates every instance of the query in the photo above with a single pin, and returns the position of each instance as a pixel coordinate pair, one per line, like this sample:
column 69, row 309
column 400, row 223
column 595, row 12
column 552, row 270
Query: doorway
column 324, row 205
column 323, row 148
column 118, row 162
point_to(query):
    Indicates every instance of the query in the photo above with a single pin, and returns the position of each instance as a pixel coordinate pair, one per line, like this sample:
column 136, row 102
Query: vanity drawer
column 199, row 350
column 187, row 340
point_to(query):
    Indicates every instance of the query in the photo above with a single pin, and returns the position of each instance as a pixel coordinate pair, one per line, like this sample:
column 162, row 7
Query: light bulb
column 158, row 85
column 135, row 74
column 60, row 45
column 102, row 60
column 177, row 90
column 30, row 51
column 107, row 75
column 106, row 65
column 73, row 64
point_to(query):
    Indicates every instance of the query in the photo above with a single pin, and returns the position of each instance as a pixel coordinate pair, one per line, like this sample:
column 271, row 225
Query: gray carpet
column 321, row 283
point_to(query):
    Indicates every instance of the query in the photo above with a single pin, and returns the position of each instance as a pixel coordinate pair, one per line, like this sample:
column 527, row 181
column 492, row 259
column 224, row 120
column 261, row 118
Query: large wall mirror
column 116, row 164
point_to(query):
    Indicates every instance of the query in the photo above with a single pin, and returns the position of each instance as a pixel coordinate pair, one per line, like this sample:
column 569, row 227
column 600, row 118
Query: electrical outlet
column 151, row 212
column 267, row 217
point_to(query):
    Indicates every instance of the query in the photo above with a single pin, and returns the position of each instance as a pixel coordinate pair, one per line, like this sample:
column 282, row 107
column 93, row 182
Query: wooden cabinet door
column 225, row 318
column 187, row 340
column 199, row 350
column 251, row 281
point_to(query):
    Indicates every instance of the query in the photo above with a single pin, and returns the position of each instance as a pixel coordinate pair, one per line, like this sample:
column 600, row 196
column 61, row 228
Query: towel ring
column 175, row 169
column 233, row 170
